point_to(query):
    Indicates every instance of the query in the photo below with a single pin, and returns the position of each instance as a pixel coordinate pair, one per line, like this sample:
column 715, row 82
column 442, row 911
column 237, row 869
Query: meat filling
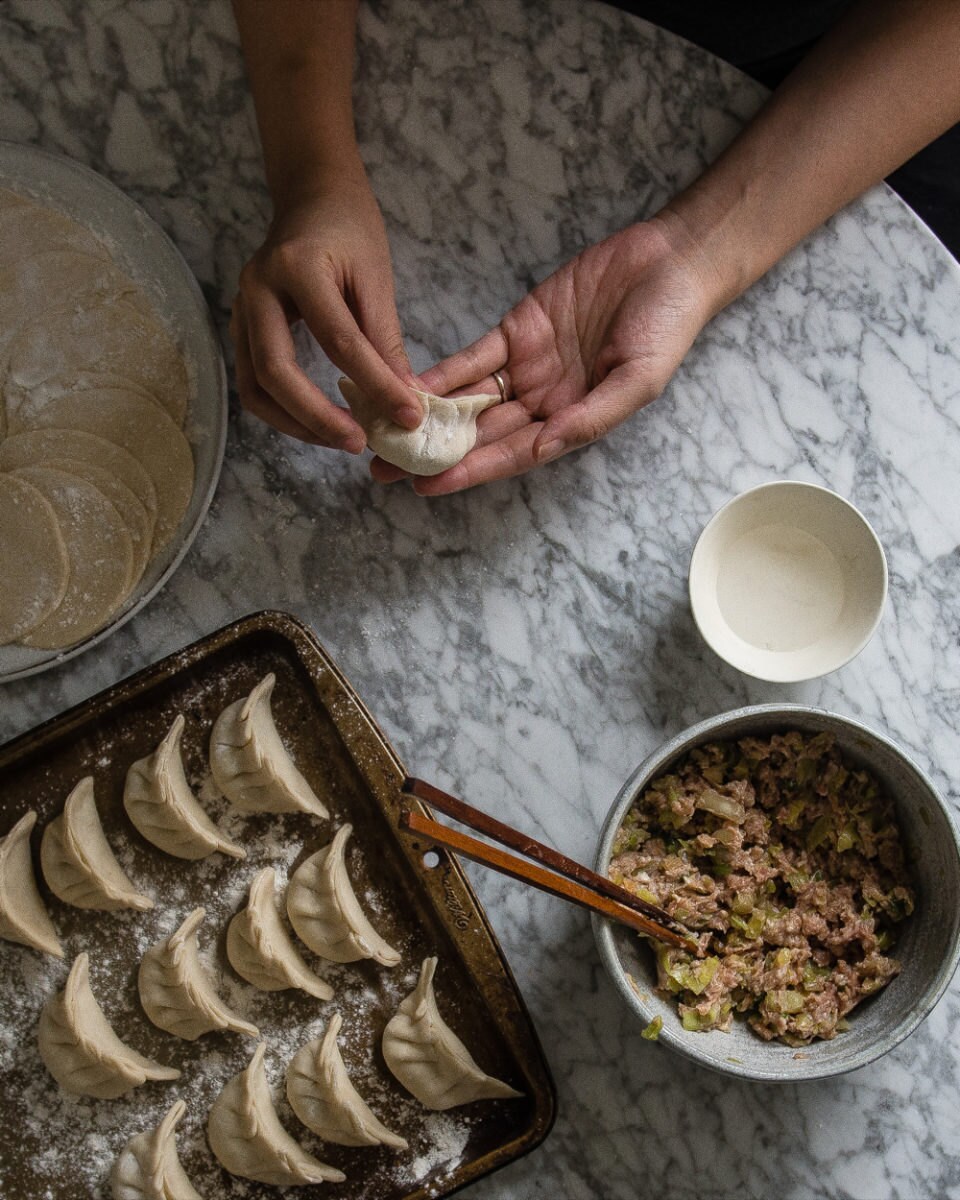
column 787, row 864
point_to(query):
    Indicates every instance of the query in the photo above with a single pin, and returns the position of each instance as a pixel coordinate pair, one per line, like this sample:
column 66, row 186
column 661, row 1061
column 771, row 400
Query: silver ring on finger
column 501, row 386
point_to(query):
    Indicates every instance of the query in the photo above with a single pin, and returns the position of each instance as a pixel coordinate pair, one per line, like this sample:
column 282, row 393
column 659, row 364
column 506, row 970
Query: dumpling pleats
column 250, row 763
column 321, row 1094
column 245, row 1134
column 324, row 910
column 261, row 950
column 429, row 1059
column 148, row 1167
column 161, row 805
column 175, row 991
column 77, row 861
column 23, row 915
column 80, row 1049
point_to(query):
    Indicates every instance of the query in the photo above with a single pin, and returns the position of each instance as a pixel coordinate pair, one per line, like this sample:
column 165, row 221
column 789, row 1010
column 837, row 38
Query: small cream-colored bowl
column 787, row 582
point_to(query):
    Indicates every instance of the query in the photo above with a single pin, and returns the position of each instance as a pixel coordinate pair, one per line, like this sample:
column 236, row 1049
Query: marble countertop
column 528, row 643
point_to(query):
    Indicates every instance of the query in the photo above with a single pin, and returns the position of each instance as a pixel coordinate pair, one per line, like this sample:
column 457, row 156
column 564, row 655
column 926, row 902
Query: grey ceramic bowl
column 928, row 947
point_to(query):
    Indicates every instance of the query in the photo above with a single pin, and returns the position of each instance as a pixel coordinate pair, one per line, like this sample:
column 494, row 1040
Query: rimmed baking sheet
column 54, row 1145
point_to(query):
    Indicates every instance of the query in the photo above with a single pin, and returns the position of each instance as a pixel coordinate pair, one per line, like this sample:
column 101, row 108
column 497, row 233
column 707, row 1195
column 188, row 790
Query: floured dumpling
column 261, row 950
column 80, row 1049
column 161, row 805
column 177, row 994
column 446, row 434
column 78, row 864
column 148, row 1167
column 322, row 1096
column 23, row 916
column 324, row 910
column 429, row 1059
column 250, row 763
column 245, row 1134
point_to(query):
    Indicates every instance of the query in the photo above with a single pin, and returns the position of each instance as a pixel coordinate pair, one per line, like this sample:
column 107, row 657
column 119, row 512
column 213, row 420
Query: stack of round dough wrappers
column 95, row 470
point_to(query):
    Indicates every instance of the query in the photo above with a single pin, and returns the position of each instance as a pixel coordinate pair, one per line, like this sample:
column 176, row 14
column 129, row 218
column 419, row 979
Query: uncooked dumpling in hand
column 447, row 432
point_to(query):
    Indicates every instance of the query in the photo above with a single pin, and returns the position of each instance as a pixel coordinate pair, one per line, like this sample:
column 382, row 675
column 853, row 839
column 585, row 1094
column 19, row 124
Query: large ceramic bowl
column 928, row 946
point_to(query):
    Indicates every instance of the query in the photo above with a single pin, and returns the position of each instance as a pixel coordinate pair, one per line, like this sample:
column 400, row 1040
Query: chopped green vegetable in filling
column 788, row 864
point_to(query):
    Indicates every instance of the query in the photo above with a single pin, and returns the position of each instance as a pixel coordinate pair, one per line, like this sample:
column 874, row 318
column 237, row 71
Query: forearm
column 299, row 56
column 879, row 87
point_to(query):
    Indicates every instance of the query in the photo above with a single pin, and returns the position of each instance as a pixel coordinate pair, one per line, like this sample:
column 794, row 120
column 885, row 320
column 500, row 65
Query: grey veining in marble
column 527, row 643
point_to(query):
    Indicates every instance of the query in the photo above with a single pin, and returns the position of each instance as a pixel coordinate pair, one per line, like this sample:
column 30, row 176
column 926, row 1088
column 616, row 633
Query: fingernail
column 409, row 416
column 550, row 450
column 354, row 445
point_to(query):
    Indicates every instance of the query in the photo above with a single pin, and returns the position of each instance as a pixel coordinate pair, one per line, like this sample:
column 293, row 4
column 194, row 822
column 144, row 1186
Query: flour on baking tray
column 77, row 1138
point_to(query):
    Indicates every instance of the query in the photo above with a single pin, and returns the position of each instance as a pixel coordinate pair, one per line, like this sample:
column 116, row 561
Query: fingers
column 270, row 382
column 502, row 459
column 329, row 319
column 610, row 403
column 476, row 361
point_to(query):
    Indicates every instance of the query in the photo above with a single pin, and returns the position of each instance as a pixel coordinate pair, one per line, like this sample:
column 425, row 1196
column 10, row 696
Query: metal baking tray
column 54, row 1145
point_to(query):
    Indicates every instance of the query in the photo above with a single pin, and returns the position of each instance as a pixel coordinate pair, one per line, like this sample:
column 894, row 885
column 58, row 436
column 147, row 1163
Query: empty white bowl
column 787, row 582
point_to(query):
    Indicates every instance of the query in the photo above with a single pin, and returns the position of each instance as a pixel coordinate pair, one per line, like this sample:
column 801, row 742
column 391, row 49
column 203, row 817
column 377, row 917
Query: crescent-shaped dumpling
column 148, row 1167
column 245, row 1134
column 160, row 803
column 324, row 910
column 322, row 1096
column 80, row 1049
column 23, row 917
column 261, row 950
column 250, row 763
column 77, row 861
column 447, row 432
column 429, row 1059
column 175, row 991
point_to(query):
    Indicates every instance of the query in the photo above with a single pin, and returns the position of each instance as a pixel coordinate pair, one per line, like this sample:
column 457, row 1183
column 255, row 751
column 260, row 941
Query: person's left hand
column 594, row 342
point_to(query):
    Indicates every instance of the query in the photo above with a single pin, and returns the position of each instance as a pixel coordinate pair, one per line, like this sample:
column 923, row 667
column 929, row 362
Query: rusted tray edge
column 317, row 662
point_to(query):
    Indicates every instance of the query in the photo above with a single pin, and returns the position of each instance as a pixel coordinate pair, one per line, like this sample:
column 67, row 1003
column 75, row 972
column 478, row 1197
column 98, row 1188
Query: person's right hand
column 326, row 260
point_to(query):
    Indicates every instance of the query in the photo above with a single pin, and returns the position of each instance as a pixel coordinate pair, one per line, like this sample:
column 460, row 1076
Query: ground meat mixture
column 788, row 865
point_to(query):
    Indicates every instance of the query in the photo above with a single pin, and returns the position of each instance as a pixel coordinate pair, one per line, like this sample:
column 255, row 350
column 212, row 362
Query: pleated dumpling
column 160, row 803
column 175, row 991
column 250, row 763
column 261, row 950
column 245, row 1134
column 429, row 1059
column 447, row 432
column 23, row 915
column 324, row 910
column 80, row 1049
column 322, row 1096
column 148, row 1167
column 77, row 861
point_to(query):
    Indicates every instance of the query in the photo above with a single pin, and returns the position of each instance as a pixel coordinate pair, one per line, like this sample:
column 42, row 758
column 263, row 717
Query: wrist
column 708, row 232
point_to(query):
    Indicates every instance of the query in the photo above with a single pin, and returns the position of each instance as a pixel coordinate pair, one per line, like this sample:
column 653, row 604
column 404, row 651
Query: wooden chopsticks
column 565, row 878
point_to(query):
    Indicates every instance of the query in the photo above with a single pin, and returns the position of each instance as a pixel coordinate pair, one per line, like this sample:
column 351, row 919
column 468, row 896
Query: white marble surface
column 528, row 643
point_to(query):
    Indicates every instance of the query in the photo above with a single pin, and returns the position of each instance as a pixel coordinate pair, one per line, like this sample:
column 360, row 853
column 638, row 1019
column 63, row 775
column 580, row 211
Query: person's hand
column 594, row 342
column 325, row 260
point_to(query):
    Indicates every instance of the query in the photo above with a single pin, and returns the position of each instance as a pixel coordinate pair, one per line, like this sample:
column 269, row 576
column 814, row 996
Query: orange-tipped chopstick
column 565, row 878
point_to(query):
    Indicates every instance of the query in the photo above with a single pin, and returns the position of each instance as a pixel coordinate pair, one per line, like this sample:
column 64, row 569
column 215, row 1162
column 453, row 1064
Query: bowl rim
column 654, row 764
column 699, row 551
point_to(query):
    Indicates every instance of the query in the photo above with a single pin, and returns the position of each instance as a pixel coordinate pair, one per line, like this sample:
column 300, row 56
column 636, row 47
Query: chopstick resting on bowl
column 565, row 878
